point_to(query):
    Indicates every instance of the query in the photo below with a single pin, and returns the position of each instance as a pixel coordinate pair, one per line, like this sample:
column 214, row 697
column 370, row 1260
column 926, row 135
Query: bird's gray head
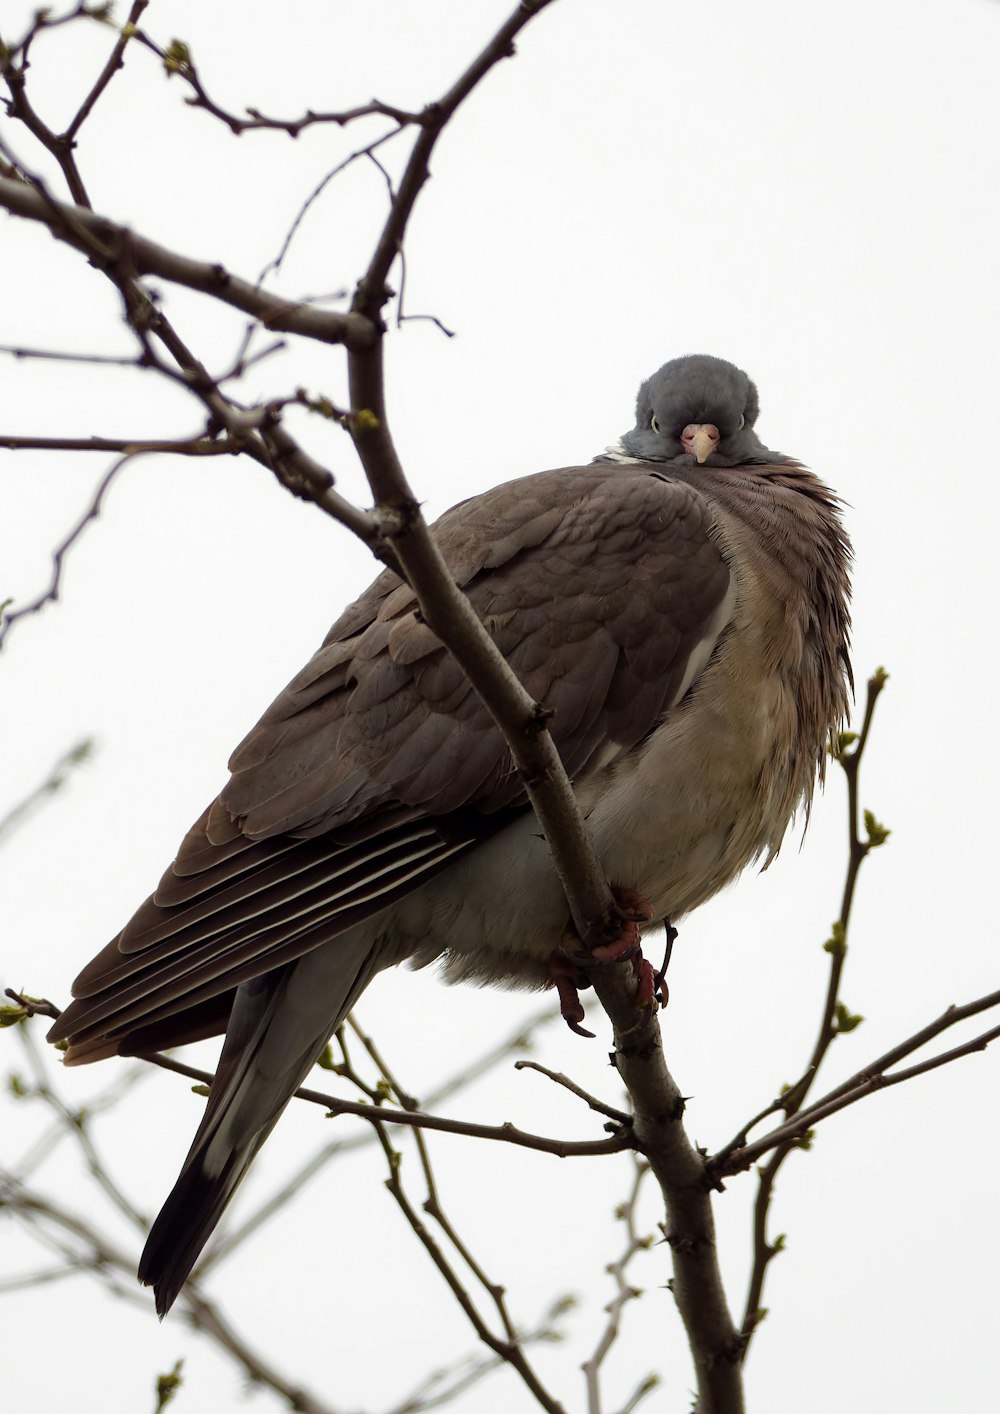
column 697, row 409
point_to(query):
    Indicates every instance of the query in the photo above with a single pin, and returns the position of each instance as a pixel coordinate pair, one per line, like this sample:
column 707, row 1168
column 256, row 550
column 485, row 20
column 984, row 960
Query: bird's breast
column 711, row 789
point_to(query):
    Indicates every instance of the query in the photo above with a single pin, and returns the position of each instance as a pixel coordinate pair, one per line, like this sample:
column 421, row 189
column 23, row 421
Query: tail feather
column 185, row 1223
column 279, row 1025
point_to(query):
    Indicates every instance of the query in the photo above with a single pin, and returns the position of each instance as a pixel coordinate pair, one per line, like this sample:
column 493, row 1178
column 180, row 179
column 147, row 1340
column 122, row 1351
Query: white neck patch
column 617, row 453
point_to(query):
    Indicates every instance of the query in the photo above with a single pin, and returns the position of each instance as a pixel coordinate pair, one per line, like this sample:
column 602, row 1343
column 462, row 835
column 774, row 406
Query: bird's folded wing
column 604, row 590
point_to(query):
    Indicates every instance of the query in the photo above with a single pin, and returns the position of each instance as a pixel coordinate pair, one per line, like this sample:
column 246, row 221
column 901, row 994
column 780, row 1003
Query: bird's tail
column 279, row 1025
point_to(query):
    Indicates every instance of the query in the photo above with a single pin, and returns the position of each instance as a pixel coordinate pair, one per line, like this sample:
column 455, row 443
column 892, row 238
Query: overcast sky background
column 810, row 192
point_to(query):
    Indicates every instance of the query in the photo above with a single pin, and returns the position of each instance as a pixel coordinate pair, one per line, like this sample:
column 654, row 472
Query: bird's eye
column 654, row 423
column 743, row 423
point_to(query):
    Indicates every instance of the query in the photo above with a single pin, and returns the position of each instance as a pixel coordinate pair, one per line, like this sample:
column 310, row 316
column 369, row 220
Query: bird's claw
column 567, row 978
column 567, row 966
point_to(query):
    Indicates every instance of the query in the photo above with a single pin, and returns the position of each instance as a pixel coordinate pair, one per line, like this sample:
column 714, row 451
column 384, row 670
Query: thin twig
column 507, row 1346
column 792, row 1101
column 179, row 63
column 444, row 1385
column 76, row 1124
column 50, row 593
column 619, row 1116
column 59, row 356
column 871, row 1078
column 276, row 262
column 116, row 61
column 624, row 1293
column 20, row 108
column 432, row 1205
column 105, row 1259
column 134, row 446
column 411, row 1119
column 510, row 1351
column 54, row 781
column 455, row 1083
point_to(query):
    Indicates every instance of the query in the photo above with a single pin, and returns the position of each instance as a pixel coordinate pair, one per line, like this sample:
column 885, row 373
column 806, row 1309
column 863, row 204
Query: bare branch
column 508, row 1349
column 317, row 191
column 462, row 1078
column 20, row 108
column 240, row 364
column 624, row 1293
column 116, row 61
column 28, row 1280
column 679, row 1169
column 50, row 593
column 445, row 1385
column 53, row 782
column 413, row 1119
column 89, row 1251
column 258, row 432
column 205, row 1316
column 869, row 1080
column 179, row 63
column 791, row 1102
column 56, row 356
column 619, row 1116
column 78, row 227
column 76, row 1124
column 133, row 446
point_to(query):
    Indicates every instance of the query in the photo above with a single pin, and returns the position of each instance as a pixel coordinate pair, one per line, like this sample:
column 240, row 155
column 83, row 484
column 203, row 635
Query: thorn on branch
column 539, row 718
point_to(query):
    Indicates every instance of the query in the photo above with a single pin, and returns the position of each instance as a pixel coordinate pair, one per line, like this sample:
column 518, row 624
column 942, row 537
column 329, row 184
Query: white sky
column 811, row 193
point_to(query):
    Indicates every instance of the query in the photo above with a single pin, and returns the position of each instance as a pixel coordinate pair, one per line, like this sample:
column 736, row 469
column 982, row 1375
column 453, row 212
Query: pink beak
column 700, row 439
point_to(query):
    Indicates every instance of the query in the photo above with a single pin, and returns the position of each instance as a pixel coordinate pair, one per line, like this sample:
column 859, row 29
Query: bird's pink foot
column 567, row 965
column 646, row 991
column 568, row 978
column 634, row 909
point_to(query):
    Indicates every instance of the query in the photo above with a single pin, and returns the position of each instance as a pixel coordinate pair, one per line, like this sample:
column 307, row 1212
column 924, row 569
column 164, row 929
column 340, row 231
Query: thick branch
column 679, row 1169
column 74, row 224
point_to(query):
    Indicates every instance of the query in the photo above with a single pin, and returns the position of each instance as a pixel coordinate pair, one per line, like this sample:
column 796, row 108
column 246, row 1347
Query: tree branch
column 468, row 1073
column 116, row 61
column 867, row 1081
column 678, row 1167
column 54, row 781
column 414, row 1119
column 78, row 227
column 50, row 593
column 834, row 1020
column 619, row 1116
column 179, row 63
column 108, row 1261
column 624, row 1293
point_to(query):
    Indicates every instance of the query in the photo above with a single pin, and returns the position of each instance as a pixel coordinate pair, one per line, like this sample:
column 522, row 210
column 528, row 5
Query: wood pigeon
column 680, row 604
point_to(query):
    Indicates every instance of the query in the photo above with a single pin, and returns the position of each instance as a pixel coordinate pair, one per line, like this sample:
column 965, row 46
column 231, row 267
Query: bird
column 680, row 605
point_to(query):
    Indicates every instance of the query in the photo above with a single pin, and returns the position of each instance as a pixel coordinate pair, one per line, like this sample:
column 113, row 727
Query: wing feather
column 601, row 585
